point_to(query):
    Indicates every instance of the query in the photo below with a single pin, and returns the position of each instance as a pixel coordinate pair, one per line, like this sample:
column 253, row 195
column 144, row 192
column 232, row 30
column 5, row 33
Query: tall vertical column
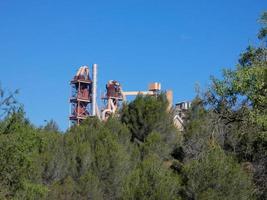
column 94, row 92
column 81, row 95
column 169, row 95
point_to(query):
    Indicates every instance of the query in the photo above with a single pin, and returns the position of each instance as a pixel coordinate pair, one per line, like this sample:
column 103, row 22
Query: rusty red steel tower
column 81, row 96
column 83, row 100
column 112, row 99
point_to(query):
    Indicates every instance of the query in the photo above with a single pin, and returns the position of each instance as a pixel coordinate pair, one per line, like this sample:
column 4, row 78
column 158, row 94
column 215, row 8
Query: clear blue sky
column 178, row 43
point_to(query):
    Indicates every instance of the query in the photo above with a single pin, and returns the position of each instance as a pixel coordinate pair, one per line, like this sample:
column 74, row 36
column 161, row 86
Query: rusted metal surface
column 83, row 101
column 112, row 98
column 81, row 95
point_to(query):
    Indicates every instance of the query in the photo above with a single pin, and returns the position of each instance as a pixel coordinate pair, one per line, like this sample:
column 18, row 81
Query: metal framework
column 83, row 100
column 81, row 96
column 115, row 95
column 111, row 99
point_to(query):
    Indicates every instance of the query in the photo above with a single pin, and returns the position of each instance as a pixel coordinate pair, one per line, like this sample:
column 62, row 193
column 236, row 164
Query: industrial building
column 83, row 100
column 179, row 113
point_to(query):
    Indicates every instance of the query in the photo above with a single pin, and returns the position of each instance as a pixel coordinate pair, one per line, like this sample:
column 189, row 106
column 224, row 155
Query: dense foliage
column 95, row 160
column 221, row 153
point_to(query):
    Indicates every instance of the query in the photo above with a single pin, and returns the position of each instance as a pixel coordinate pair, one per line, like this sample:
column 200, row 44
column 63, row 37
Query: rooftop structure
column 179, row 113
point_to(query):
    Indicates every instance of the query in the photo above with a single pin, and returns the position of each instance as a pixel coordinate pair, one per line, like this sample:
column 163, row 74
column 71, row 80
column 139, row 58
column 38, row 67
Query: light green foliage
column 232, row 114
column 120, row 130
column 90, row 161
column 151, row 181
column 51, row 158
column 89, row 187
column 251, row 82
column 97, row 147
column 20, row 173
column 110, row 163
column 65, row 189
column 217, row 176
column 31, row 191
column 239, row 105
column 155, row 145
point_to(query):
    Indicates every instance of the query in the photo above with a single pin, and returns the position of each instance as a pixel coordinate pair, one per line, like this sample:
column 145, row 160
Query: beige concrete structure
column 179, row 117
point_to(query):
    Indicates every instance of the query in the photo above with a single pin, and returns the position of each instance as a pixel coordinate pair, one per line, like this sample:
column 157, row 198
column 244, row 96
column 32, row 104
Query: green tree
column 151, row 181
column 65, row 189
column 20, row 173
column 147, row 115
column 217, row 176
column 239, row 103
column 98, row 148
column 52, row 157
column 89, row 187
column 154, row 144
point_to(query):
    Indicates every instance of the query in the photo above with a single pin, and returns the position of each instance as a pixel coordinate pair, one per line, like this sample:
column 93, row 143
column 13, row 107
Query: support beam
column 134, row 93
column 94, row 92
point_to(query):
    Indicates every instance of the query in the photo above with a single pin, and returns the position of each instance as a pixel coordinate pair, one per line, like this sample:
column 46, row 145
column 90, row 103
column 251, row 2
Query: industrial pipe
column 135, row 93
column 104, row 113
column 94, row 90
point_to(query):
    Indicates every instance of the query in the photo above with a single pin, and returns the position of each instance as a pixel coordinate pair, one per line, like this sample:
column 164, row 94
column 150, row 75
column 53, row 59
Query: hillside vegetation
column 220, row 155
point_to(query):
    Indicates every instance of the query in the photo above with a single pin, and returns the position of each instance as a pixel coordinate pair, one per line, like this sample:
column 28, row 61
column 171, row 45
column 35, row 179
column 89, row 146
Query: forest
column 139, row 154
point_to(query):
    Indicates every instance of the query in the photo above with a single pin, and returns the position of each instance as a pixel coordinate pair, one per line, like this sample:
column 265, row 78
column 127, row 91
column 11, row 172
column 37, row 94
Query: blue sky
column 177, row 43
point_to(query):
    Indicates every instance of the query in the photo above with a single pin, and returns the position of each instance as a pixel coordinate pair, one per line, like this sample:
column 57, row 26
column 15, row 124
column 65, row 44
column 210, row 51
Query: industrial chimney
column 94, row 90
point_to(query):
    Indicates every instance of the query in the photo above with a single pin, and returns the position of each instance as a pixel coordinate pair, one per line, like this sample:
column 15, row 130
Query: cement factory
column 83, row 100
